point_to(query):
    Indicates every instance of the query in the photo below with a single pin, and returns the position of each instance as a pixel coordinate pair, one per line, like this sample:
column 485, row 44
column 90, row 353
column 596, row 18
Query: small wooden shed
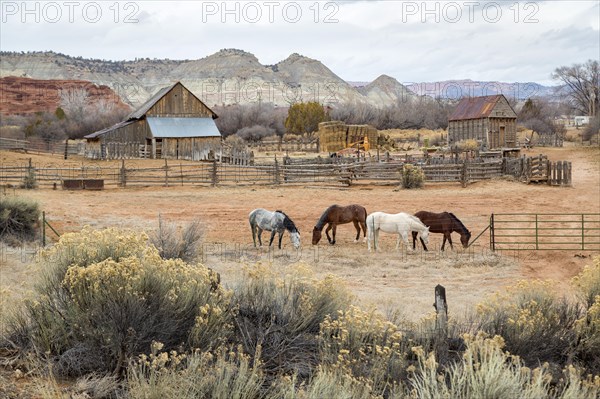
column 489, row 119
column 172, row 124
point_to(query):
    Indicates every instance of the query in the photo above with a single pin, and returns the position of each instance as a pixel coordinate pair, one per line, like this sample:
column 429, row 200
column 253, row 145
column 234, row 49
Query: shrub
column 283, row 315
column 366, row 345
column 592, row 129
column 18, row 218
column 587, row 283
column 484, row 372
column 29, row 181
column 535, row 324
column 200, row 375
column 412, row 176
column 335, row 384
column 107, row 295
column 587, row 351
column 185, row 244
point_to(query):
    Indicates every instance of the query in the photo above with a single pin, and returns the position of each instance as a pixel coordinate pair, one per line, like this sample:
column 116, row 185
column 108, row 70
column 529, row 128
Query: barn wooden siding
column 192, row 148
column 495, row 128
column 180, row 102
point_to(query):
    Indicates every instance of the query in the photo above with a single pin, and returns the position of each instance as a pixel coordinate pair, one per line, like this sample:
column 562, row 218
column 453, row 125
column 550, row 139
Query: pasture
column 388, row 280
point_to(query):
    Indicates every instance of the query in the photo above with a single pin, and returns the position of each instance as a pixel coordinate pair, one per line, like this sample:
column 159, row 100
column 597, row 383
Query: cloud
column 359, row 40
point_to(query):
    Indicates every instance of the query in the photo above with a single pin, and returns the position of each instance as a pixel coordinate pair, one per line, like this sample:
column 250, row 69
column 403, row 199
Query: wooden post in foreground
column 441, row 325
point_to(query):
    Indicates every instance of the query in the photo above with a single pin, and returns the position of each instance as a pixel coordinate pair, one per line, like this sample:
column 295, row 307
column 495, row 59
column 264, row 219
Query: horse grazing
column 275, row 222
column 335, row 215
column 399, row 223
column 444, row 223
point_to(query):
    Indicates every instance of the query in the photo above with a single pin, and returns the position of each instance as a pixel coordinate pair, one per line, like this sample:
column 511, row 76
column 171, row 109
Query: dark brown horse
column 335, row 215
column 444, row 223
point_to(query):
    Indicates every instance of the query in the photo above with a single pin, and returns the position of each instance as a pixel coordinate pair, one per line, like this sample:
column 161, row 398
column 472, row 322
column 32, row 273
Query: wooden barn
column 173, row 124
column 490, row 120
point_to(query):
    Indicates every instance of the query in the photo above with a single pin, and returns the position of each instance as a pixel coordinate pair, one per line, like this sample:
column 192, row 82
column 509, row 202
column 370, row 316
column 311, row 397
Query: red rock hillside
column 26, row 96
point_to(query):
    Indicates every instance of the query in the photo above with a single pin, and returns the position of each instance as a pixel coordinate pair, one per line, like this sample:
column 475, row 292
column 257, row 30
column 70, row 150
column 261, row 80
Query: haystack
column 335, row 135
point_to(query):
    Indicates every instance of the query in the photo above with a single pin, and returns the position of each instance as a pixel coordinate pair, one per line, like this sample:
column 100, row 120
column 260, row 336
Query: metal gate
column 545, row 231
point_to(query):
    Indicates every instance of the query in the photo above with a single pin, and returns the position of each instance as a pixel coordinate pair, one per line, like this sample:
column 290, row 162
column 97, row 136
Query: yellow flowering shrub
column 412, row 176
column 535, row 323
column 587, row 282
column 223, row 375
column 110, row 293
column 484, row 371
column 365, row 345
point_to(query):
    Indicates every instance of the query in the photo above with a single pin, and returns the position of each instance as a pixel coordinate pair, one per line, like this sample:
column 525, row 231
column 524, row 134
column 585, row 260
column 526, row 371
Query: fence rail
column 244, row 169
column 547, row 231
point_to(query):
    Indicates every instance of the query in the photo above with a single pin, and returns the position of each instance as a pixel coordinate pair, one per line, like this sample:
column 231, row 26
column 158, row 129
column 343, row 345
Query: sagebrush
column 19, row 219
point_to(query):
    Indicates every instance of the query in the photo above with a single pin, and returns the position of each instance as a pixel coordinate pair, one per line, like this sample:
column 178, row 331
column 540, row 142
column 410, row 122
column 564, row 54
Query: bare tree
column 74, row 102
column 581, row 84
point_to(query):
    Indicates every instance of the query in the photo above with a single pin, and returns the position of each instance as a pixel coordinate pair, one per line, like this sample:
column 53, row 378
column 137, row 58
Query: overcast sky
column 413, row 41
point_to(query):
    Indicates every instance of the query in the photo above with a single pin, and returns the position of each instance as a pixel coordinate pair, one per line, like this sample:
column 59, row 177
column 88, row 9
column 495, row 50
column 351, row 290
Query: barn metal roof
column 182, row 127
column 475, row 107
column 109, row 129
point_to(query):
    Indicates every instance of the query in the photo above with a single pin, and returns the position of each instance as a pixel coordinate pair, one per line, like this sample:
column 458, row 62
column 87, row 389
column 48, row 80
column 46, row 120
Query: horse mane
column 460, row 224
column 323, row 219
column 288, row 223
column 416, row 220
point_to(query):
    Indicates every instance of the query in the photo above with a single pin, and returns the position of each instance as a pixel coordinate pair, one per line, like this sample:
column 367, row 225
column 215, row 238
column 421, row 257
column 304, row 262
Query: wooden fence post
column 277, row 172
column 213, row 173
column 441, row 325
column 122, row 174
column 166, row 173
column 463, row 174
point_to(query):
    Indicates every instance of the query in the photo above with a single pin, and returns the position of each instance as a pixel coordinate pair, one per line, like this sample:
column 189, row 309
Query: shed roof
column 475, row 107
column 109, row 129
column 182, row 127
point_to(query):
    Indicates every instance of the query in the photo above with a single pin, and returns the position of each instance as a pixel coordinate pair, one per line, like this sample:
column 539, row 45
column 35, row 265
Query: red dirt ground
column 387, row 279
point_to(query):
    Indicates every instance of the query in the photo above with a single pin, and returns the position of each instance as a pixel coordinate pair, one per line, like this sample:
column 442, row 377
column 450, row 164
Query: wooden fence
column 286, row 171
column 289, row 145
column 538, row 169
column 38, row 145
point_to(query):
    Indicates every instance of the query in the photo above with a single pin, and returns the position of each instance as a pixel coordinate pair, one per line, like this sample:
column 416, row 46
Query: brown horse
column 444, row 223
column 335, row 215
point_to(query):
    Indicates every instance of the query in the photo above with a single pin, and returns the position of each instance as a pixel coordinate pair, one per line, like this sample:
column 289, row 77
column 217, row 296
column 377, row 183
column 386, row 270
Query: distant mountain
column 386, row 90
column 227, row 77
column 453, row 89
column 233, row 76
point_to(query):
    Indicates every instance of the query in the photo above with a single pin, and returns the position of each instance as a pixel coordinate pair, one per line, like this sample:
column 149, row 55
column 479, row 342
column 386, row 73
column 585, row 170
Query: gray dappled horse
column 275, row 222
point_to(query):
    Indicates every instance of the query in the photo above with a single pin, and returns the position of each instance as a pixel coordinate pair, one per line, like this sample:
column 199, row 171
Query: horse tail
column 252, row 219
column 364, row 212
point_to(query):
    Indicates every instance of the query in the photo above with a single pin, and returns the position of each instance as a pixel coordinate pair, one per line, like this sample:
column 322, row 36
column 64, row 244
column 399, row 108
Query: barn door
column 502, row 138
column 158, row 153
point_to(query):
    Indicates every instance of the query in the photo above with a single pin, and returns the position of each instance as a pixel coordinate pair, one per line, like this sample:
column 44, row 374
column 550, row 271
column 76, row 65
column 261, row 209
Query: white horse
column 399, row 223
column 275, row 222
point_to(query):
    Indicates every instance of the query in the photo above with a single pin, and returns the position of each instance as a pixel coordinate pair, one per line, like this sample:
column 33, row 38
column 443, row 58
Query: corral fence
column 39, row 145
column 545, row 231
column 246, row 170
column 539, row 169
column 302, row 144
